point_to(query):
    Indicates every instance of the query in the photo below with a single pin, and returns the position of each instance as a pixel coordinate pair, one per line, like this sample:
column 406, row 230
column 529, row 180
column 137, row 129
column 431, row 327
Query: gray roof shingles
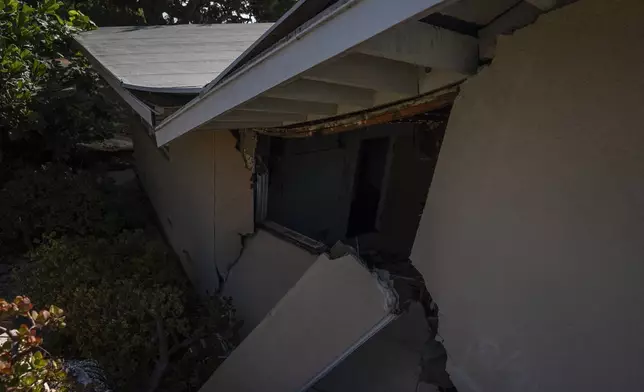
column 175, row 59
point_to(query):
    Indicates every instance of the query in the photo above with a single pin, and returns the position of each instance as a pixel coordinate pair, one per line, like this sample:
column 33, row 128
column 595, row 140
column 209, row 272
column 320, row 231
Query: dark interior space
column 369, row 185
column 366, row 187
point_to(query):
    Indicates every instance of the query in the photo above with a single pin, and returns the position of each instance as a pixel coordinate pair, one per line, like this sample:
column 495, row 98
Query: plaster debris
column 331, row 310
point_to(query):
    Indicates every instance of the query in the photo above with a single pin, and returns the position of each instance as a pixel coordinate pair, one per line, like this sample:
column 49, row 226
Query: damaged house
column 411, row 195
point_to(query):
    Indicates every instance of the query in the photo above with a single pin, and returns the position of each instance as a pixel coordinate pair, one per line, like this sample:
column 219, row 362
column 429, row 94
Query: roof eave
column 339, row 28
column 143, row 110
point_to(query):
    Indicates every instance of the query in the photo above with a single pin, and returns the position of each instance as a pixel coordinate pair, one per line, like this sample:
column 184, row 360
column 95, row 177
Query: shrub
column 24, row 365
column 50, row 98
column 127, row 304
column 57, row 199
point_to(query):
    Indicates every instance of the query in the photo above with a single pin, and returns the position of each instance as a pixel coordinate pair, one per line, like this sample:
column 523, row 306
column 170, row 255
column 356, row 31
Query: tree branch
column 184, row 344
column 21, row 354
column 164, row 356
column 165, row 352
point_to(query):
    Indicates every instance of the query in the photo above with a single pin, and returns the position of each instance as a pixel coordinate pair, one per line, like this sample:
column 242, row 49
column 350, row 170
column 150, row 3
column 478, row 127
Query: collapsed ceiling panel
column 334, row 308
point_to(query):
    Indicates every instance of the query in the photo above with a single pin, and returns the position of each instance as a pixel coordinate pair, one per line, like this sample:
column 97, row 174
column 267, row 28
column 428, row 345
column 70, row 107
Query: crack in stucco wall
column 402, row 284
column 409, row 286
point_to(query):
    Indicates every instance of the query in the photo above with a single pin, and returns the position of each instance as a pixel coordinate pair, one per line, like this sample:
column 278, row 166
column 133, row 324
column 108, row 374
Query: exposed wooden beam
column 437, row 79
column 341, row 27
column 311, row 90
column 266, row 104
column 385, row 97
column 255, row 116
column 411, row 107
column 315, row 117
column 346, row 108
column 425, row 45
column 222, row 125
column 364, row 71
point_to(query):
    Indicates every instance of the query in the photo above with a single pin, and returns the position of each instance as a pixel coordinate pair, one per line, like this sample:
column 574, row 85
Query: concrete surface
column 388, row 362
column 267, row 269
column 531, row 240
column 333, row 306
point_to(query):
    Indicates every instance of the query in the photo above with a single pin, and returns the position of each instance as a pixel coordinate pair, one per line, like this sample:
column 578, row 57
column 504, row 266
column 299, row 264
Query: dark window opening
column 368, row 188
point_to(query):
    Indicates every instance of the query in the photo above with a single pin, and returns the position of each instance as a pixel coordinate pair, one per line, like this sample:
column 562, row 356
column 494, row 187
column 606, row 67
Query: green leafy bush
column 24, row 365
column 50, row 98
column 128, row 303
column 126, row 299
column 55, row 198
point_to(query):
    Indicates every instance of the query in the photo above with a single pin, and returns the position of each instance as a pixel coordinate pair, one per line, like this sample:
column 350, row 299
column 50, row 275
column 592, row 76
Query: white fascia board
column 136, row 104
column 353, row 22
column 242, row 57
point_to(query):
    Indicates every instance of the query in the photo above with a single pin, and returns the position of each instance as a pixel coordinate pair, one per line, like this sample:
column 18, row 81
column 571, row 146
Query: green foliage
column 269, row 10
column 155, row 12
column 123, row 296
column 54, row 198
column 50, row 97
column 24, row 365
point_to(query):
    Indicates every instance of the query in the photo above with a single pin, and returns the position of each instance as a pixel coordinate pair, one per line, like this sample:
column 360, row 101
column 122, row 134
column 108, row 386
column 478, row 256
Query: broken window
column 366, row 187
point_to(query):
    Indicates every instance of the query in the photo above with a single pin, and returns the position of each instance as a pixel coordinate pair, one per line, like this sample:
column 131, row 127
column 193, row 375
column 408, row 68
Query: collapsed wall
column 531, row 236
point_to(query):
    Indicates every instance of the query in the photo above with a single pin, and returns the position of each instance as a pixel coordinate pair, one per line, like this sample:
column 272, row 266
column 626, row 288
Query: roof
column 300, row 13
column 171, row 59
column 324, row 62
column 279, row 71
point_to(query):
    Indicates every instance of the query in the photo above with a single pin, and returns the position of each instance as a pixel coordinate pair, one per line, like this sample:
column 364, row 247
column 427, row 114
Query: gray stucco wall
column 233, row 200
column 201, row 192
column 531, row 241
column 180, row 186
column 267, row 269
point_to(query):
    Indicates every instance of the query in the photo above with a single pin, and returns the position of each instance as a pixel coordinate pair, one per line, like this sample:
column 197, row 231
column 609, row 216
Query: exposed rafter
column 375, row 73
column 255, row 116
column 228, row 125
column 386, row 113
column 339, row 28
column 310, row 90
column 436, row 79
column 266, row 104
column 424, row 45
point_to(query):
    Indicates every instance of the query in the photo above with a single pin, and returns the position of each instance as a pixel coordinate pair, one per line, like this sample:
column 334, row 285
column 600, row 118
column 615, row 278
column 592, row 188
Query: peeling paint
column 379, row 115
column 248, row 144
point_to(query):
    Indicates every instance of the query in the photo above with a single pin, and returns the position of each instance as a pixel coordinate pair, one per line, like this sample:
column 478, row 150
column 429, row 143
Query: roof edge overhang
column 143, row 110
column 333, row 32
column 294, row 17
